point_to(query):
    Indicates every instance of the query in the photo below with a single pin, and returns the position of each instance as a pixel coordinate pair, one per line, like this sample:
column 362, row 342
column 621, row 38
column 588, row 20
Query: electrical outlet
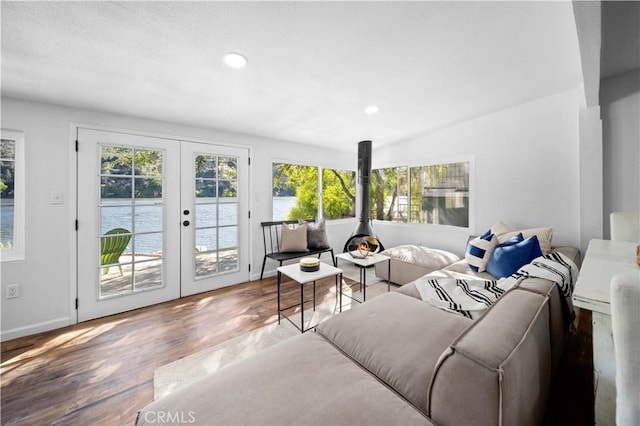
column 12, row 291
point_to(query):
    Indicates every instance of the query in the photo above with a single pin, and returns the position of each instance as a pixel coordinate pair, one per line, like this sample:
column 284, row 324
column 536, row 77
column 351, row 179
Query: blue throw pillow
column 511, row 241
column 479, row 251
column 512, row 255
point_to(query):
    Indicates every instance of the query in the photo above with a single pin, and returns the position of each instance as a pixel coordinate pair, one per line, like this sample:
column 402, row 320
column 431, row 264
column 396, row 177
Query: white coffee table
column 362, row 265
column 293, row 271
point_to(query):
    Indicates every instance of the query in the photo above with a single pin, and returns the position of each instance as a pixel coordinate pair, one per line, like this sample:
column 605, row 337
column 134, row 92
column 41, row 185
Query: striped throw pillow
column 479, row 251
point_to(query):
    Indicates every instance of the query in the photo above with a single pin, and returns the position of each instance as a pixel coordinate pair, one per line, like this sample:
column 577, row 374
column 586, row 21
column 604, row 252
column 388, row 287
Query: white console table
column 603, row 260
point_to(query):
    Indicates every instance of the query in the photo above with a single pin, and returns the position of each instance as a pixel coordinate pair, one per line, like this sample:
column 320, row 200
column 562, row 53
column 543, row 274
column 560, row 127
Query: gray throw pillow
column 316, row 235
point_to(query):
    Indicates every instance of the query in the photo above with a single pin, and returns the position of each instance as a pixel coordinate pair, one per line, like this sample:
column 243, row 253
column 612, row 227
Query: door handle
column 185, row 223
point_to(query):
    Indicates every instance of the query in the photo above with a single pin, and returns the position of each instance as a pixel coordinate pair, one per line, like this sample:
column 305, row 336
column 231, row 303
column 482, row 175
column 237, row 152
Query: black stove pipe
column 364, row 183
column 364, row 228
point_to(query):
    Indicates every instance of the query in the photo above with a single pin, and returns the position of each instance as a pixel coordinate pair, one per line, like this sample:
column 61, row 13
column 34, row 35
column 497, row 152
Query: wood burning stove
column 364, row 228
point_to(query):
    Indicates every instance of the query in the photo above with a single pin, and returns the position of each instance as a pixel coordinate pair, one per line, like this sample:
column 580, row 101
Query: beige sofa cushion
column 498, row 371
column 571, row 252
column 424, row 256
column 463, row 268
column 301, row 381
column 410, row 290
column 410, row 262
column 397, row 338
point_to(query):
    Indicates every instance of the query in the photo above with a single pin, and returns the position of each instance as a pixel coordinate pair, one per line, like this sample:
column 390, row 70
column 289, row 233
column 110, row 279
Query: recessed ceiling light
column 235, row 60
column 372, row 109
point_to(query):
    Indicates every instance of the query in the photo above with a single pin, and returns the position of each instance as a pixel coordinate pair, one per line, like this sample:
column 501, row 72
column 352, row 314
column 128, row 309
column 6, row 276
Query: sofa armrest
column 498, row 371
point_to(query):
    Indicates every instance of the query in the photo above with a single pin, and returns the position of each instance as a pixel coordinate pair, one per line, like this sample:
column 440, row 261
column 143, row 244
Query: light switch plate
column 57, row 198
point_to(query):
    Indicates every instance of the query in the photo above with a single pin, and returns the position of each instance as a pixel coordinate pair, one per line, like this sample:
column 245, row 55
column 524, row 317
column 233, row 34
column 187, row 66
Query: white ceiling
column 313, row 66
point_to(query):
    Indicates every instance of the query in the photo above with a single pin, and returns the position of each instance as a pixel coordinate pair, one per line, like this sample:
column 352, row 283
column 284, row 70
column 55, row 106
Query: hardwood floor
column 101, row 371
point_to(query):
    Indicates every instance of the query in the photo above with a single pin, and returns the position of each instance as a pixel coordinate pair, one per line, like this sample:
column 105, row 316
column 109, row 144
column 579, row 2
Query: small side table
column 363, row 264
column 293, row 271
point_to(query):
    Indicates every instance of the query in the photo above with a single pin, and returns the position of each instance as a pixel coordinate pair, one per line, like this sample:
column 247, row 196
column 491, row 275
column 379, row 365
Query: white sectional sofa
column 395, row 360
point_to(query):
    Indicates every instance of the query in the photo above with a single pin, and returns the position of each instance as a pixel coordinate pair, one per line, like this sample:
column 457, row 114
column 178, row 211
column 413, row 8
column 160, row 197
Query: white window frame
column 450, row 160
column 17, row 251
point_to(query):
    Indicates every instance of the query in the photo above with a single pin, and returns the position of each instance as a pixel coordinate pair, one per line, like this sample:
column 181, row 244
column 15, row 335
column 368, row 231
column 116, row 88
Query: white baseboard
column 34, row 329
column 256, row 276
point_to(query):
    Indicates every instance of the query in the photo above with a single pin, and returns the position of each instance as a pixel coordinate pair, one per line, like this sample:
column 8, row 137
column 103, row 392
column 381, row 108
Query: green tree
column 118, row 162
column 384, row 186
column 5, row 193
column 7, row 168
column 338, row 193
column 216, row 176
column 303, row 180
column 338, row 190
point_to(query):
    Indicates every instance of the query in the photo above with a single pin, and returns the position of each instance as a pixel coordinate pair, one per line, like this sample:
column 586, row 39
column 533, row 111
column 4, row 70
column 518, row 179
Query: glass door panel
column 131, row 210
column 123, row 240
column 215, row 211
column 216, row 206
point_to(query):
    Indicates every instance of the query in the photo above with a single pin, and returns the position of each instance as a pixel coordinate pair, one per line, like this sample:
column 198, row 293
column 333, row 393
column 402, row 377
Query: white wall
column 591, row 187
column 525, row 172
column 620, row 108
column 46, row 275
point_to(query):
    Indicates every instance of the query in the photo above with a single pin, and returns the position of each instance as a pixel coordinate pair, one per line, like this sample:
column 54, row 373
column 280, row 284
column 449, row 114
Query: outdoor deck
column 146, row 272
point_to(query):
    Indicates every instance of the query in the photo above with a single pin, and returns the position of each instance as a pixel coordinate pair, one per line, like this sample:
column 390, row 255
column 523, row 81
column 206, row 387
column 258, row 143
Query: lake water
column 282, row 206
column 6, row 222
column 148, row 219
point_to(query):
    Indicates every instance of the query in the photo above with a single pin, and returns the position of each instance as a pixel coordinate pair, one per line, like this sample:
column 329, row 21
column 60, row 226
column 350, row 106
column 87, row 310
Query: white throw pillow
column 500, row 228
column 479, row 251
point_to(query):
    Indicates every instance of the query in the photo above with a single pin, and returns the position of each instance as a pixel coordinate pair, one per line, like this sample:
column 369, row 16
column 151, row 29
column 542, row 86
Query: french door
column 214, row 240
column 157, row 219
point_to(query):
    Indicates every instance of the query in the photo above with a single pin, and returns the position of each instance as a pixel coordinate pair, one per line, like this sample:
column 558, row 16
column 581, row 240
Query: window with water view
column 11, row 195
column 296, row 192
